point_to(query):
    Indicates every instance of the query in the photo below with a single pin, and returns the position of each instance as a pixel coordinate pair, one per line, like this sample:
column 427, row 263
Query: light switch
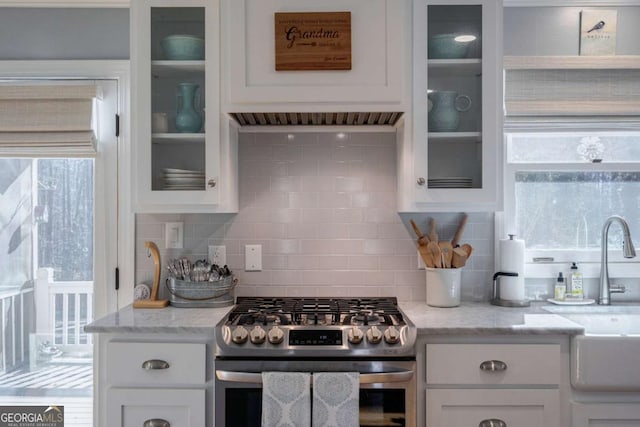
column 174, row 235
column 253, row 257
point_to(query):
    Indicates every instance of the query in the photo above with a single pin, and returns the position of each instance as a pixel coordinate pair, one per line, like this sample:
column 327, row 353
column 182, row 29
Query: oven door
column 387, row 389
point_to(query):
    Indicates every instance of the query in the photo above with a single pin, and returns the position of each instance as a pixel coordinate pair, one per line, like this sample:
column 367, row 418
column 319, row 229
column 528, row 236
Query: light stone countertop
column 467, row 319
column 483, row 318
column 159, row 320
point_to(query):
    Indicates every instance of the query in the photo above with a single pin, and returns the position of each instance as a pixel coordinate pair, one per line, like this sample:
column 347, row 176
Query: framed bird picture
column 598, row 32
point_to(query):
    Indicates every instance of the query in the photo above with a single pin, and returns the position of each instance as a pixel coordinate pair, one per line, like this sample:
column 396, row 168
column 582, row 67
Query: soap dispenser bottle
column 560, row 289
column 575, row 283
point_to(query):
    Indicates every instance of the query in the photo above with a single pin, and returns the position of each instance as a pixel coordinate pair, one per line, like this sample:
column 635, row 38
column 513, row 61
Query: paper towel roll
column 512, row 261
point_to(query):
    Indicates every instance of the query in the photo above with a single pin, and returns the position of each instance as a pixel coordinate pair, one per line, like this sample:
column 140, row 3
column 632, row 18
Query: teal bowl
column 444, row 46
column 183, row 48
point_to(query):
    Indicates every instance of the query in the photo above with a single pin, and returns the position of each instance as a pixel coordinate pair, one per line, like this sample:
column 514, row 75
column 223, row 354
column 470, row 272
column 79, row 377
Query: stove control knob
column 239, row 335
column 392, row 335
column 355, row 335
column 257, row 335
column 374, row 336
column 275, row 335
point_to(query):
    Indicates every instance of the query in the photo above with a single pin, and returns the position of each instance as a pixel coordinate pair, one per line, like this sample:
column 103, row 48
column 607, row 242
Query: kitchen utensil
column 459, row 231
column 425, row 254
column 433, row 236
column 468, row 249
column 447, row 253
column 436, row 254
column 422, row 239
column 459, row 258
column 153, row 301
column 183, row 47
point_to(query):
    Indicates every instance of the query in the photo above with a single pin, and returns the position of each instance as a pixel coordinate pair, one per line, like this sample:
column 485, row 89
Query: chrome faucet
column 628, row 251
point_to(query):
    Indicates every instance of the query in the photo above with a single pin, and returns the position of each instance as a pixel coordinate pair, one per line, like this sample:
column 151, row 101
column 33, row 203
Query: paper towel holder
column 496, row 300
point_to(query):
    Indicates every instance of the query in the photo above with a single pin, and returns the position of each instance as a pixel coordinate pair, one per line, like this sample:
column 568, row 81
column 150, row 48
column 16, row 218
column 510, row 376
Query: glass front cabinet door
column 176, row 126
column 457, row 92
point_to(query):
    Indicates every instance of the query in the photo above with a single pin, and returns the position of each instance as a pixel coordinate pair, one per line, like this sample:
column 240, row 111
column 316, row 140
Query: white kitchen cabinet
column 142, row 377
column 492, row 408
column 178, row 169
column 606, row 414
column 517, row 383
column 156, row 408
column 450, row 156
column 377, row 80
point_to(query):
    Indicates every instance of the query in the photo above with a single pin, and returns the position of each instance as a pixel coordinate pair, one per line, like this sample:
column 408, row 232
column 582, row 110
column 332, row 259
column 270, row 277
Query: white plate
column 184, row 181
column 169, row 170
column 585, row 301
column 184, row 175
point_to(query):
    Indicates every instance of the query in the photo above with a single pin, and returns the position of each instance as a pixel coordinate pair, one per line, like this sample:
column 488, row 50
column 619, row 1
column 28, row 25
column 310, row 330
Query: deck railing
column 63, row 309
column 16, row 323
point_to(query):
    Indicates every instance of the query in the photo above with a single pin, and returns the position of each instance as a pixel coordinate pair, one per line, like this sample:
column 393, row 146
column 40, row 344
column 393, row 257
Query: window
column 561, row 186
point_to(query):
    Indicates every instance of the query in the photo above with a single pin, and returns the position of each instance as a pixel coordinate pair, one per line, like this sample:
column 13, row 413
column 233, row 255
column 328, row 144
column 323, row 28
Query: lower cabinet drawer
column 493, row 408
column 493, row 364
column 150, row 364
column 155, row 407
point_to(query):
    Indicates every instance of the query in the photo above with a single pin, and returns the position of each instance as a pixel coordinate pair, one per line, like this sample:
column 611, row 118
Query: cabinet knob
column 155, row 364
column 421, row 181
column 156, row 422
column 212, row 183
column 493, row 365
column 492, row 423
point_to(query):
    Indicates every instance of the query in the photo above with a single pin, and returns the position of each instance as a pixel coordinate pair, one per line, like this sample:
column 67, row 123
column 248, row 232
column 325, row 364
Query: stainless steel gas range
column 371, row 336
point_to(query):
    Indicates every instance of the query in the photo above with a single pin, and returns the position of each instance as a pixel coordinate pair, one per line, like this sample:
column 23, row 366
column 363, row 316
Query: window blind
column 47, row 119
column 537, row 93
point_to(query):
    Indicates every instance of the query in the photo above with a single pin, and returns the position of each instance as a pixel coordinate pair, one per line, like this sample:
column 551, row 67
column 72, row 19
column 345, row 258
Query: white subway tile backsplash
column 323, row 209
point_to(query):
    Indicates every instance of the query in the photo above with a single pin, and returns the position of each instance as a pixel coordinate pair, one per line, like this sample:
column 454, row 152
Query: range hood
column 318, row 119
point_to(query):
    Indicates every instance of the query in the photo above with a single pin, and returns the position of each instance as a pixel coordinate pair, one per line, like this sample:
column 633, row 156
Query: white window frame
column 106, row 300
column 588, row 260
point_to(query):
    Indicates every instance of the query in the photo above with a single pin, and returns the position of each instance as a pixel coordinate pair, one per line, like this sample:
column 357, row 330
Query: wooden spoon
column 459, row 258
column 460, row 230
column 447, row 252
column 468, row 249
column 436, row 254
column 426, row 256
column 422, row 239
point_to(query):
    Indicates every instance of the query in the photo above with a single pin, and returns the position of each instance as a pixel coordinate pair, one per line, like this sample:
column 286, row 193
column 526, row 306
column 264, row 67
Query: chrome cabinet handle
column 493, row 365
column 494, row 422
column 421, row 181
column 156, row 422
column 212, row 183
column 256, row 378
column 155, row 364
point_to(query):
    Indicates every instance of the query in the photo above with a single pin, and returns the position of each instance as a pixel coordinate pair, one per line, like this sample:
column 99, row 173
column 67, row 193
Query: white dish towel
column 336, row 399
column 286, row 400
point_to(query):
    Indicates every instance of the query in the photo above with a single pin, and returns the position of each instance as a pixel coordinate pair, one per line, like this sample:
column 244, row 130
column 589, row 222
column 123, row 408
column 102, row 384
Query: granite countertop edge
column 470, row 318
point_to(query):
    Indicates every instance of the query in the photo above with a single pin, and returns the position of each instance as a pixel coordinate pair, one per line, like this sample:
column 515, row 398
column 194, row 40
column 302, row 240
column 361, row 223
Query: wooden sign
column 313, row 41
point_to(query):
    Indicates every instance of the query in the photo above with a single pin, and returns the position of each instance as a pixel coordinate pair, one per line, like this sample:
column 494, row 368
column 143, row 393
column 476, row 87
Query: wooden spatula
column 433, row 235
column 447, row 252
column 426, row 256
column 436, row 254
column 468, row 249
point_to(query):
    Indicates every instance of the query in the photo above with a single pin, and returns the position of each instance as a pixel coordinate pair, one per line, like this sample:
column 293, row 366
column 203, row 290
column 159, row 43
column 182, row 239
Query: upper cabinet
column 378, row 77
column 452, row 159
column 184, row 152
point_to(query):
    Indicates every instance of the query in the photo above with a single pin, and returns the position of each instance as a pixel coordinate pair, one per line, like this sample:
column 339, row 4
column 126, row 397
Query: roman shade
column 47, row 118
column 538, row 87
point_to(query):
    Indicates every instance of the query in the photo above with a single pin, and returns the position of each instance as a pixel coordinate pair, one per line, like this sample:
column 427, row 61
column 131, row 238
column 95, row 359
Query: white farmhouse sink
column 607, row 356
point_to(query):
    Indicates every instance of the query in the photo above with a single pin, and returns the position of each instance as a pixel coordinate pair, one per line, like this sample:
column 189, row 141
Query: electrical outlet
column 218, row 255
column 253, row 257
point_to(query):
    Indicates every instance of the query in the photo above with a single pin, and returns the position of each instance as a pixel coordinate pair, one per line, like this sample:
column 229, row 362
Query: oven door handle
column 377, row 378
